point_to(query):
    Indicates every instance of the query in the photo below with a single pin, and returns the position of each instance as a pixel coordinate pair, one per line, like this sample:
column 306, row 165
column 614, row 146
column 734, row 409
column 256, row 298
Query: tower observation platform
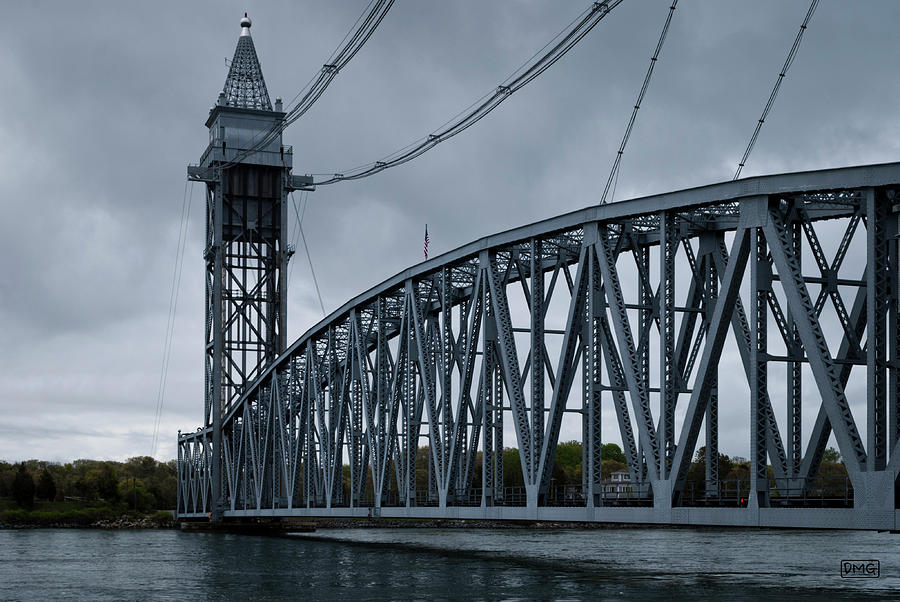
column 401, row 401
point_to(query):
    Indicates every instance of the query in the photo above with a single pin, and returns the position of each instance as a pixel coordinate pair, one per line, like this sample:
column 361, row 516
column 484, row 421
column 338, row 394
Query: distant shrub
column 82, row 517
column 161, row 517
column 23, row 487
column 46, row 486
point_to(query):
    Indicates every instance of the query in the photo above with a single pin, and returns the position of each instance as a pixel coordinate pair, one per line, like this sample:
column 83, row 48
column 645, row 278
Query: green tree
column 7, row 474
column 512, row 468
column 108, row 483
column 607, row 467
column 831, row 455
column 134, row 492
column 611, row 451
column 567, row 465
column 23, row 487
column 46, row 486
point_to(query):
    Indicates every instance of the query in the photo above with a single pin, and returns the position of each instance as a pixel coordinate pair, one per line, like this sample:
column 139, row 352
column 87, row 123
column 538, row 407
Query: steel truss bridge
column 755, row 298
column 768, row 298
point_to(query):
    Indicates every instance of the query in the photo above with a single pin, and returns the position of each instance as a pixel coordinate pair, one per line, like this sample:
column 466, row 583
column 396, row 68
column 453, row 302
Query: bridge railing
column 827, row 491
column 823, row 491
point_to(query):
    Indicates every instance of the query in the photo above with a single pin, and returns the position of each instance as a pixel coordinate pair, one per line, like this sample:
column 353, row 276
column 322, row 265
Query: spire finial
column 245, row 87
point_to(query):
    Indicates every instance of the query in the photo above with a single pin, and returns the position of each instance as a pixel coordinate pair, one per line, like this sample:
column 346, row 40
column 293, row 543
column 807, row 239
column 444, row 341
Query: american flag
column 426, row 242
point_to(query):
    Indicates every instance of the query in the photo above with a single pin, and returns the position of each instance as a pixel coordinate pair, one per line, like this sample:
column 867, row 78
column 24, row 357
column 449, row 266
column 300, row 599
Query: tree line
column 143, row 484
column 140, row 484
column 567, row 468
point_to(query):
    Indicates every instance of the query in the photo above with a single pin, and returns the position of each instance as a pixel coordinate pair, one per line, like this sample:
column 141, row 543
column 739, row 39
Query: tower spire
column 245, row 87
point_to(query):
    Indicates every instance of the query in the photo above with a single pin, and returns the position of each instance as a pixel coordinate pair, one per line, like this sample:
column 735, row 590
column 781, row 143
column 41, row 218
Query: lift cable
column 312, row 270
column 787, row 64
column 338, row 60
column 173, row 305
column 355, row 39
column 298, row 214
column 558, row 47
column 614, row 172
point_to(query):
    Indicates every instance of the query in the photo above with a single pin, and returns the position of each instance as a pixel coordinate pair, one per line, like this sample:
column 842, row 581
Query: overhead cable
column 339, row 60
column 614, row 172
column 299, row 217
column 351, row 44
column 312, row 270
column 540, row 62
column 298, row 213
column 787, row 64
column 173, row 305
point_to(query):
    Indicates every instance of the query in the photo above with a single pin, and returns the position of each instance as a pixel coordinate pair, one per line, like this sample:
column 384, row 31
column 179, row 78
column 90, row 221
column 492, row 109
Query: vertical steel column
column 893, row 396
column 592, row 378
column 487, row 392
column 358, row 469
column 309, row 490
column 429, row 379
column 498, row 431
column 712, row 408
column 446, row 367
column 215, row 261
column 488, row 467
column 537, row 353
column 668, row 385
column 587, row 441
column 877, row 285
column 339, row 393
column 760, row 283
column 409, row 408
column 645, row 317
column 795, row 373
column 382, row 398
column 282, row 258
column 275, row 435
column 461, row 484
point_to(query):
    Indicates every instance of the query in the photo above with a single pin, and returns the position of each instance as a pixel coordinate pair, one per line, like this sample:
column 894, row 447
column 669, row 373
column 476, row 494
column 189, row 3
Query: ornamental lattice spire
column 245, row 87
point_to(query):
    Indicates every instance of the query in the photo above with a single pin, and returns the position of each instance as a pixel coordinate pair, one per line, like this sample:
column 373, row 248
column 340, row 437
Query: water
column 480, row 564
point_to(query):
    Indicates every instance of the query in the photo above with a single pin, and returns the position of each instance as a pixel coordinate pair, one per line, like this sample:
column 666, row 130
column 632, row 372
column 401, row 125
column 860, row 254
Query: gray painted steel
column 449, row 352
column 246, row 250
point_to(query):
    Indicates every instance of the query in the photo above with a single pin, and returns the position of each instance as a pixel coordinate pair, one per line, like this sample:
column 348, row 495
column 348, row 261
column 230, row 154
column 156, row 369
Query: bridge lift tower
column 247, row 250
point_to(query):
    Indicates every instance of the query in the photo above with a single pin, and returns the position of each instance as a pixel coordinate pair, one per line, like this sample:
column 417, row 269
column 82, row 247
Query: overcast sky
column 103, row 107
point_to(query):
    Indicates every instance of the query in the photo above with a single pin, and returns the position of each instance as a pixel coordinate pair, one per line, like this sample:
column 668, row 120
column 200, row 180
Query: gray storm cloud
column 104, row 104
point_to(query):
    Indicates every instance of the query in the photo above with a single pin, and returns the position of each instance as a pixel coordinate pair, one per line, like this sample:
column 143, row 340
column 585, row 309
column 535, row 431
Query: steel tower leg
column 760, row 285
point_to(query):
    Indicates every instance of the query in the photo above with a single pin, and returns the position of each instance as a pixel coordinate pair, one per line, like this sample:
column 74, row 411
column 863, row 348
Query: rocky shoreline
column 119, row 523
column 129, row 523
column 392, row 523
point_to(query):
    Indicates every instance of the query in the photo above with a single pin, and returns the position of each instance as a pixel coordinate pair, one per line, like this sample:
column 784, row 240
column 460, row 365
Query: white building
column 618, row 483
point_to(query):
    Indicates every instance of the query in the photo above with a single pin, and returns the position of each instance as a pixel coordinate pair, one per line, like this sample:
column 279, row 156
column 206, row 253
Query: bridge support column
column 873, row 500
column 215, row 347
column 877, row 306
column 662, row 500
column 531, row 499
column 760, row 285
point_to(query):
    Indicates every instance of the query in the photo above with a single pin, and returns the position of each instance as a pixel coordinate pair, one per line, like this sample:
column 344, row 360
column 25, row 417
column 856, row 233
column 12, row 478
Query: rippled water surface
column 478, row 564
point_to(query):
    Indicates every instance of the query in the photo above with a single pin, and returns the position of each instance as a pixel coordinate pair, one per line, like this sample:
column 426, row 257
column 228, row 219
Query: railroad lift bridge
column 796, row 274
